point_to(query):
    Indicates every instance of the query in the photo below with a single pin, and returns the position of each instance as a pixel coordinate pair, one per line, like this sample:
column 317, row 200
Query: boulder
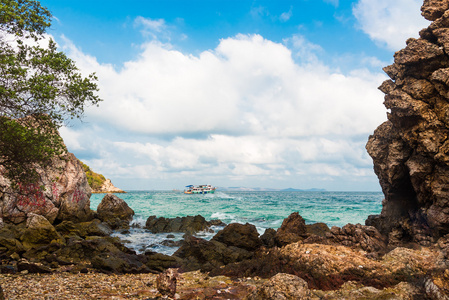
column 63, row 193
column 207, row 255
column 188, row 224
column 244, row 236
column 279, row 287
column 114, row 211
column 293, row 229
column 410, row 151
column 39, row 232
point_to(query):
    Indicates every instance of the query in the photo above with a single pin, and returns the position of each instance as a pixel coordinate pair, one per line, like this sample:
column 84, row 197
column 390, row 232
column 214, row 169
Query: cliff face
column 65, row 195
column 411, row 150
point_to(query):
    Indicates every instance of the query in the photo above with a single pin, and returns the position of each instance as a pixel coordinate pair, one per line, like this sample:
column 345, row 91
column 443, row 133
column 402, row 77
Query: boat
column 199, row 189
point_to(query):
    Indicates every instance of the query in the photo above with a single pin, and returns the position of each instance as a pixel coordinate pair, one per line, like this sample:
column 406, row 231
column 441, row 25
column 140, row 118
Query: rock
column 410, row 151
column 328, row 267
column 114, row 211
column 367, row 238
column 319, row 229
column 166, row 282
column 32, row 268
column 267, row 238
column 279, row 287
column 158, row 262
column 108, row 187
column 83, row 229
column 64, row 196
column 207, row 255
column 293, row 229
column 39, row 232
column 189, row 224
column 240, row 236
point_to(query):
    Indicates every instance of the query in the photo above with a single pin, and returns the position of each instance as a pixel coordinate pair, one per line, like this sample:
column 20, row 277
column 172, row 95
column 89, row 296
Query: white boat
column 199, row 189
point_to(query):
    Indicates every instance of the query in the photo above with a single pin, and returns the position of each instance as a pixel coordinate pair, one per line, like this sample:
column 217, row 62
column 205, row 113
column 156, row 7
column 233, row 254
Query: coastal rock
column 65, row 195
column 114, row 211
column 410, row 151
column 279, row 287
column 38, row 232
column 244, row 236
column 207, row 255
column 188, row 224
column 293, row 229
column 367, row 238
column 328, row 267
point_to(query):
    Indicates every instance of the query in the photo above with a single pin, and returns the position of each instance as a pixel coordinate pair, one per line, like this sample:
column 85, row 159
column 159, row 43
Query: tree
column 40, row 90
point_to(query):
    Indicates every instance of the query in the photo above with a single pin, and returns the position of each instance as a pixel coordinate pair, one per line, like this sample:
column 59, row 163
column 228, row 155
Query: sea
column 264, row 209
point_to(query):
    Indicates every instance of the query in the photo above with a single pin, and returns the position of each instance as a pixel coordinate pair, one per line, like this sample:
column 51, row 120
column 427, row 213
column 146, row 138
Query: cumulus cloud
column 244, row 111
column 390, row 23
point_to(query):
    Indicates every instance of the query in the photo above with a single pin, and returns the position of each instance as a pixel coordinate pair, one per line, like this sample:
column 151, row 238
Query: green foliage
column 40, row 90
column 95, row 180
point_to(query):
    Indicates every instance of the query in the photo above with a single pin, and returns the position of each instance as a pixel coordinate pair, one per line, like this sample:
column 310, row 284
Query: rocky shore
column 53, row 246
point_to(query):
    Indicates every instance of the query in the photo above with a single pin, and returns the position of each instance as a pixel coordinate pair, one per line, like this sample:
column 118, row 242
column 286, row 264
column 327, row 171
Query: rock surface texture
column 65, row 195
column 114, row 211
column 411, row 150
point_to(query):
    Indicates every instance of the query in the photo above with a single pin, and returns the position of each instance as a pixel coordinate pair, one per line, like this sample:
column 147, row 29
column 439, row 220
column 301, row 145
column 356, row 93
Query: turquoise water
column 262, row 209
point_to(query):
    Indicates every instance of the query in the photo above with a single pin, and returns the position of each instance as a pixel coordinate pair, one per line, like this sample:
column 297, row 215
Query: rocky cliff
column 65, row 194
column 411, row 150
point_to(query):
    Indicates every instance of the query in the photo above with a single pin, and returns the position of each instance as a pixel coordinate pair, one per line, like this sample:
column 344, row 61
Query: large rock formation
column 65, row 195
column 411, row 150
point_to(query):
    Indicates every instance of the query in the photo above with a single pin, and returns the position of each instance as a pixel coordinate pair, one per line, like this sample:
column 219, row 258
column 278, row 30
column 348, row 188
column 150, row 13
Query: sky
column 272, row 94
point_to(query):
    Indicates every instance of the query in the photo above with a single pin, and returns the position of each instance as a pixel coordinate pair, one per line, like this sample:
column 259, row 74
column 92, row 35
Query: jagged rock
column 189, row 224
column 240, row 236
column 267, row 238
column 115, row 212
column 410, row 151
column 65, row 195
column 206, row 255
column 328, row 267
column 293, row 229
column 319, row 229
column 279, row 287
column 166, row 282
column 367, row 238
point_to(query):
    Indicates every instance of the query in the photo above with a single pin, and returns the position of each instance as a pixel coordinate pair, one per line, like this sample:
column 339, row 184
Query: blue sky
column 271, row 94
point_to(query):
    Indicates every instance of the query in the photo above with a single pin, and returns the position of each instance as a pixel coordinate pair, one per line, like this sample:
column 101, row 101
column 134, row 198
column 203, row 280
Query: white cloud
column 152, row 28
column 264, row 116
column 390, row 23
column 285, row 16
